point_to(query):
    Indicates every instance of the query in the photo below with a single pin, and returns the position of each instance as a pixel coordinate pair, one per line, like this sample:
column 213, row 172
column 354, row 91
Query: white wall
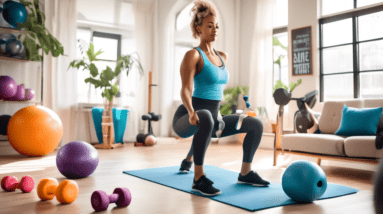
column 246, row 31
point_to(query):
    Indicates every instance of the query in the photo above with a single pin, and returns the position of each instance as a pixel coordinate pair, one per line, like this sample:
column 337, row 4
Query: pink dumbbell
column 100, row 200
column 10, row 184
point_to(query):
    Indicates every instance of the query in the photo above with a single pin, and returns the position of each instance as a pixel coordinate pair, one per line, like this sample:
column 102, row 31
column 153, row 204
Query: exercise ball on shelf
column 35, row 131
column 29, row 94
column 14, row 13
column 77, row 159
column 14, row 47
column 4, row 38
column 20, row 94
column 8, row 87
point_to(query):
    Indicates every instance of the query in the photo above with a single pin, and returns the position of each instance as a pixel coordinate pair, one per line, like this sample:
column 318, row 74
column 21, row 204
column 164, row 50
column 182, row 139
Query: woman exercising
column 199, row 114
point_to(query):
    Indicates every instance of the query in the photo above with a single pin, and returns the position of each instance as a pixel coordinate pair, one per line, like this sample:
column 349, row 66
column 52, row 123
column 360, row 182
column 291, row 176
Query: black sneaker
column 252, row 178
column 205, row 186
column 185, row 166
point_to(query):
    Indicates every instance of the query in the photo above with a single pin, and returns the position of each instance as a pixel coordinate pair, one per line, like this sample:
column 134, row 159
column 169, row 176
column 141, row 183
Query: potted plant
column 230, row 99
column 104, row 79
column 38, row 37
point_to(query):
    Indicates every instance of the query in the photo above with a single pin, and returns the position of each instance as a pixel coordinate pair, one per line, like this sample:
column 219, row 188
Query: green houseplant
column 38, row 37
column 280, row 84
column 277, row 43
column 105, row 78
column 230, row 98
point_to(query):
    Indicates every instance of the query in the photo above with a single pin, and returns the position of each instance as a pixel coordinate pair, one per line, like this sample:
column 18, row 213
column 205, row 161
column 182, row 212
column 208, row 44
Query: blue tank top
column 209, row 82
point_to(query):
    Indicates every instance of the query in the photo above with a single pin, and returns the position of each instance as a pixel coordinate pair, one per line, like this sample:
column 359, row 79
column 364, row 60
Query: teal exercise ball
column 304, row 181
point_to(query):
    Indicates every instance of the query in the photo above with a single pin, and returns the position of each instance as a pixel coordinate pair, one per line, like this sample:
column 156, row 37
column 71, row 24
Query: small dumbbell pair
column 100, row 200
column 66, row 192
column 10, row 184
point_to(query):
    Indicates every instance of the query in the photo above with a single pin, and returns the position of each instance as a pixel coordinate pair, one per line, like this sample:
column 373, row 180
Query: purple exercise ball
column 29, row 94
column 77, row 159
column 8, row 87
column 20, row 94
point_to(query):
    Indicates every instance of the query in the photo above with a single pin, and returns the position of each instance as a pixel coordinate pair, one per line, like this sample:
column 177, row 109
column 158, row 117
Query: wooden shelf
column 2, row 57
column 11, row 30
column 29, row 101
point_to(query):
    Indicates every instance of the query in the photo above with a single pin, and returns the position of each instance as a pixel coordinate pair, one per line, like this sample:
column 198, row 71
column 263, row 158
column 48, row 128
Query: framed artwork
column 301, row 43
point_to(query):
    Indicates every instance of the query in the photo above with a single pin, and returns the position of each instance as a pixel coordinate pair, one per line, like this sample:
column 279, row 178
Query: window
column 351, row 48
column 109, row 25
column 110, row 44
column 338, row 6
column 280, row 42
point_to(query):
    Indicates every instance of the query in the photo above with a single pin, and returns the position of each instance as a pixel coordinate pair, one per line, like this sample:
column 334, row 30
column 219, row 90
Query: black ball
column 4, row 120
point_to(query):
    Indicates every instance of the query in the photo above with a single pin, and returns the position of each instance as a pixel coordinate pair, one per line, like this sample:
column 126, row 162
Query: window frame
column 354, row 15
column 278, row 30
column 109, row 36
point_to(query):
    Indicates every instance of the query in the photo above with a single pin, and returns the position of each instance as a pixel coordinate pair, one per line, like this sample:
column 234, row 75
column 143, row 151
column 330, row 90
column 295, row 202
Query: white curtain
column 143, row 30
column 260, row 89
column 60, row 85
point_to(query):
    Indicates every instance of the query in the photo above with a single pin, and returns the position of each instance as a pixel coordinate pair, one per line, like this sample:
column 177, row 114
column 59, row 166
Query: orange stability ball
column 35, row 130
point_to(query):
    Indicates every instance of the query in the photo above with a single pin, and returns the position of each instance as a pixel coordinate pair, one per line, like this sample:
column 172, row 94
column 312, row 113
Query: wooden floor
column 148, row 197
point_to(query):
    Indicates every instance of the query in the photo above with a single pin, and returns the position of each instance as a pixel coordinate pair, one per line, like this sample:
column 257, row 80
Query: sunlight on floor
column 230, row 163
column 28, row 165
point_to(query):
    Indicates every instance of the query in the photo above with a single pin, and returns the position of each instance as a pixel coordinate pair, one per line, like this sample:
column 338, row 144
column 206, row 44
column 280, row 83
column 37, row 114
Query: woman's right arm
column 188, row 71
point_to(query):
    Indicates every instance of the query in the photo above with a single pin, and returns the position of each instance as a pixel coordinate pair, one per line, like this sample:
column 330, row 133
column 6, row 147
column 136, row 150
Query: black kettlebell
column 303, row 121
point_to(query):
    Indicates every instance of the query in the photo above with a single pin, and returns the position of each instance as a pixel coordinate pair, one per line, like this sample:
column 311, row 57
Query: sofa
column 327, row 145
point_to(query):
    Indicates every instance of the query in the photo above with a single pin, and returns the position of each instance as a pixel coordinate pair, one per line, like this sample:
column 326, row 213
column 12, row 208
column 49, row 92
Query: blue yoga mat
column 239, row 195
column 119, row 123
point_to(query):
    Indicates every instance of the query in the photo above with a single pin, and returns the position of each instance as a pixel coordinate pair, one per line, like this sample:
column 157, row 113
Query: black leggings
column 207, row 111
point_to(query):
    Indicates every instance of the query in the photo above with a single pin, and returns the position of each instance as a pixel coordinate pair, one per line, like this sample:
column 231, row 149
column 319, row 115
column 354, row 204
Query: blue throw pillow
column 356, row 122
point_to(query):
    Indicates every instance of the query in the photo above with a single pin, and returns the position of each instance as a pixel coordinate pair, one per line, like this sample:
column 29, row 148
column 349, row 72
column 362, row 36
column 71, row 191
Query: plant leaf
column 119, row 65
column 276, row 42
column 107, row 74
column 114, row 89
column 93, row 70
column 90, row 52
column 93, row 81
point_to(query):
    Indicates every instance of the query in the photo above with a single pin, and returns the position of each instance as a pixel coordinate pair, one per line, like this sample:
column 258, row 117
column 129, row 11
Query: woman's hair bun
column 200, row 10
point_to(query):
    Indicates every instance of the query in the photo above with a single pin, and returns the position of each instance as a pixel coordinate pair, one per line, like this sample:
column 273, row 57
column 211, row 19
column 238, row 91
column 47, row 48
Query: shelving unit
column 4, row 30
column 2, row 57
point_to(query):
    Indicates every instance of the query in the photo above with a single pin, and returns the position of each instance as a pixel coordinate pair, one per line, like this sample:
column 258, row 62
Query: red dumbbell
column 10, row 184
column 100, row 200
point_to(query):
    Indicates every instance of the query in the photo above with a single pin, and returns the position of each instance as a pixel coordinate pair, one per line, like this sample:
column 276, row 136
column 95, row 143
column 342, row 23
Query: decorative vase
column 107, row 123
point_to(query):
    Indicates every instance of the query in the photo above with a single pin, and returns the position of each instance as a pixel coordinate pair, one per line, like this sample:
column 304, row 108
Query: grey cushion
column 326, row 144
column 362, row 146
